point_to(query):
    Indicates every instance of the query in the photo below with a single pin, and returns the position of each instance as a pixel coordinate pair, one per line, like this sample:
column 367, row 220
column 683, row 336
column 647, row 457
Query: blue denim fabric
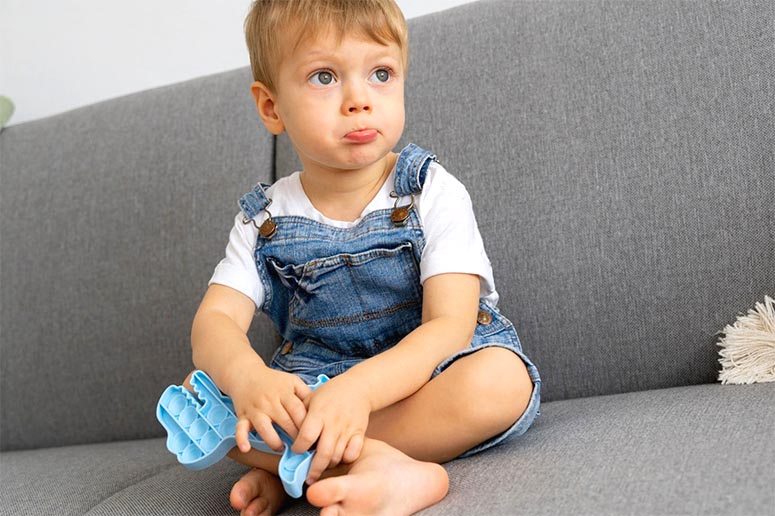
column 338, row 296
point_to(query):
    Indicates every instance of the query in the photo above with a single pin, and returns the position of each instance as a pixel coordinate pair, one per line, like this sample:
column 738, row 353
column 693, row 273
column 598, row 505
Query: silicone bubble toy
column 201, row 430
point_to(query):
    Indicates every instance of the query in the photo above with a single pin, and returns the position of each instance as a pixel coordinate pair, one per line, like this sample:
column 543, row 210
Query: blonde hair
column 380, row 20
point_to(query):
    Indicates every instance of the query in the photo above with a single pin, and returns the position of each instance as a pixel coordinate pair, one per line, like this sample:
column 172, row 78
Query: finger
column 285, row 422
column 353, row 450
column 322, row 458
column 336, row 457
column 297, row 411
column 241, row 434
column 301, row 389
column 267, row 432
column 308, row 434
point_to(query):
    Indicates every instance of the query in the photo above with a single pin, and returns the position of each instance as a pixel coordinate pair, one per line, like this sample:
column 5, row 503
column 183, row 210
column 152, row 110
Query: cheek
column 396, row 100
column 400, row 114
column 302, row 120
column 319, row 111
column 397, row 114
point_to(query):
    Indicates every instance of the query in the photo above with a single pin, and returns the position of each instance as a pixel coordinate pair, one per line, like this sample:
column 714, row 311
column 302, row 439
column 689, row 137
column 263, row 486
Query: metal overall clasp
column 268, row 228
column 400, row 213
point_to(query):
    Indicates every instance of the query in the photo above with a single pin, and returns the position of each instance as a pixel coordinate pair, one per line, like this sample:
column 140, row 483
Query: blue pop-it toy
column 201, row 430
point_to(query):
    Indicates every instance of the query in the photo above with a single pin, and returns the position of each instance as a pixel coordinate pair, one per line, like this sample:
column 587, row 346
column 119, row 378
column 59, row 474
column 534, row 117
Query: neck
column 346, row 189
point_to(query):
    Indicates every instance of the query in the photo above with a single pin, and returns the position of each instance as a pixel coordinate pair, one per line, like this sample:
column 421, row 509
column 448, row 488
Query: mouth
column 362, row 135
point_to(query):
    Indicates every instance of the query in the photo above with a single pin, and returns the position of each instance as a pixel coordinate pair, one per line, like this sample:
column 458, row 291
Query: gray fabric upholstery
column 682, row 450
column 113, row 217
column 633, row 453
column 620, row 159
column 73, row 479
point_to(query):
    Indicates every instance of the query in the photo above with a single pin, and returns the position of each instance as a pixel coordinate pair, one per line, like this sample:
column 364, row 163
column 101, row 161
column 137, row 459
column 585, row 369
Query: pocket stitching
column 372, row 254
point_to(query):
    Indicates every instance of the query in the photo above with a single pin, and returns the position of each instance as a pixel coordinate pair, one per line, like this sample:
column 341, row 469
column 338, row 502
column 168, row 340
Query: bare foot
column 383, row 481
column 258, row 492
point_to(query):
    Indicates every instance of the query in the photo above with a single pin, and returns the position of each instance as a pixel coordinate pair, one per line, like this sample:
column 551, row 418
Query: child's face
column 325, row 92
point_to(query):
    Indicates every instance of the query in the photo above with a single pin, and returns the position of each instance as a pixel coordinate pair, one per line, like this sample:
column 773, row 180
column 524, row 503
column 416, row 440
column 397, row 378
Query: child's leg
column 476, row 397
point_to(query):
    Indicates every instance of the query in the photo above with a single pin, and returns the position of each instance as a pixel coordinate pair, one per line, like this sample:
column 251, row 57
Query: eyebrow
column 320, row 54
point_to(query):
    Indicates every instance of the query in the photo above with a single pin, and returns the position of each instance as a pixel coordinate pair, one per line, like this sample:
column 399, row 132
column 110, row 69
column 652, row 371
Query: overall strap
column 254, row 201
column 411, row 169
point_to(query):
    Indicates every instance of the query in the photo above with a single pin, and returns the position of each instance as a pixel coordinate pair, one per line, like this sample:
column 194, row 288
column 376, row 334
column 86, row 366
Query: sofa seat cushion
column 73, row 479
column 704, row 449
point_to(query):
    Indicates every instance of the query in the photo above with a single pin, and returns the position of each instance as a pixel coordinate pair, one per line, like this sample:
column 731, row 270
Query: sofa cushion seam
column 143, row 479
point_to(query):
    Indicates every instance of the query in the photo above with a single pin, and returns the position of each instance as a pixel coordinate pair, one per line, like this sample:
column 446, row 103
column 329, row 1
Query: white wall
column 57, row 55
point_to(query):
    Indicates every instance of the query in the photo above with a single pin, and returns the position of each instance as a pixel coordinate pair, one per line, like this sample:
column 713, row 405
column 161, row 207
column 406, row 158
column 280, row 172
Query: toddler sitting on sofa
column 372, row 268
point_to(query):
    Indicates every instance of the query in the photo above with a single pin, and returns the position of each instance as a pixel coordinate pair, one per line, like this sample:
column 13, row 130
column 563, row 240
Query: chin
column 365, row 154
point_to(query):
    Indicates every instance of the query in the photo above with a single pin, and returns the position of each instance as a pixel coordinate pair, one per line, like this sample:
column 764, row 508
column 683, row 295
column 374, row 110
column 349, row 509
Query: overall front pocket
column 289, row 275
column 366, row 299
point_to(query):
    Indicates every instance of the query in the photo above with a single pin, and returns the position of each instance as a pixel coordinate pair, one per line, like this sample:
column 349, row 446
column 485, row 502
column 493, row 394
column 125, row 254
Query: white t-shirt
column 452, row 239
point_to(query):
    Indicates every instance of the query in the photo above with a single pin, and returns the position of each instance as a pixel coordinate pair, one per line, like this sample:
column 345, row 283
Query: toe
column 246, row 488
column 332, row 510
column 329, row 491
column 257, row 507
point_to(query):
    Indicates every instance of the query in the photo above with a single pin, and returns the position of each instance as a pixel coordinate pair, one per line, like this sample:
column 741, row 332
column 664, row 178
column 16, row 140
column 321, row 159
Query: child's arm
column 219, row 341
column 261, row 395
column 338, row 412
column 450, row 308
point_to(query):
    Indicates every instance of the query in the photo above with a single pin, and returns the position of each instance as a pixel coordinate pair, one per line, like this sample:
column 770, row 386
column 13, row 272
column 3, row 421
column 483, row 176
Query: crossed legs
column 478, row 396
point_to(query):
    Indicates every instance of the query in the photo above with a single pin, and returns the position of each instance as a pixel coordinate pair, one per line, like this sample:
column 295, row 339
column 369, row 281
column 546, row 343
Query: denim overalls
column 340, row 295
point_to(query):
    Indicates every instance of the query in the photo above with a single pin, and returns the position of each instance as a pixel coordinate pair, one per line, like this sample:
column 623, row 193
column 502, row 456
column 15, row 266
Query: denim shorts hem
column 531, row 367
column 527, row 418
column 518, row 428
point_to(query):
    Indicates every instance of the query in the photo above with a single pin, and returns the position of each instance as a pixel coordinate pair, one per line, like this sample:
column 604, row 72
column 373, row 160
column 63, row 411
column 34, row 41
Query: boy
column 423, row 367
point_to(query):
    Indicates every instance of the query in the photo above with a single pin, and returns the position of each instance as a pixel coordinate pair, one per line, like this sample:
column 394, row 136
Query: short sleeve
column 238, row 269
column 452, row 239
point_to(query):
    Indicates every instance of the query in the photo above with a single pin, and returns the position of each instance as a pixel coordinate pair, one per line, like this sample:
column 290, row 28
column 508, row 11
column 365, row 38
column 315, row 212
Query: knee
column 497, row 386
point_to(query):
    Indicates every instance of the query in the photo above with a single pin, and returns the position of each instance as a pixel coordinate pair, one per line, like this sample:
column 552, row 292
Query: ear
column 266, row 107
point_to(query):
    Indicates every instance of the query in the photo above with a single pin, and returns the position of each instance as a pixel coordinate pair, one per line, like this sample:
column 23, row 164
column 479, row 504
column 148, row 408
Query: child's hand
column 337, row 413
column 262, row 396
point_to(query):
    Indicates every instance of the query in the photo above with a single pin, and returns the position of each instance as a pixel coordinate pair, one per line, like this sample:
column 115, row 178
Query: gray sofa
column 620, row 158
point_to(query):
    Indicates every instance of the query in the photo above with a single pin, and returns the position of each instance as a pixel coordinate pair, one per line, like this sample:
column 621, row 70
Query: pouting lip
column 361, row 136
column 361, row 129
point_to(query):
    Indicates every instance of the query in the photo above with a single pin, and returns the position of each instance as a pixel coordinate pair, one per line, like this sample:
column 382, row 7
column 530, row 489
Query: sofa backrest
column 619, row 156
column 113, row 217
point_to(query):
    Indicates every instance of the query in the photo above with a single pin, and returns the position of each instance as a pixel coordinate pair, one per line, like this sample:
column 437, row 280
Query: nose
column 356, row 100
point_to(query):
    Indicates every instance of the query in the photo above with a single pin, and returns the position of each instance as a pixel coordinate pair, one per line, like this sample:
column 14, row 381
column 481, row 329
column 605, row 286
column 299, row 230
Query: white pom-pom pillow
column 748, row 350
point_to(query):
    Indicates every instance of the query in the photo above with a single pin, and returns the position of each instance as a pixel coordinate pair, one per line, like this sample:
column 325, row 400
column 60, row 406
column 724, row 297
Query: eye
column 383, row 74
column 325, row 78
